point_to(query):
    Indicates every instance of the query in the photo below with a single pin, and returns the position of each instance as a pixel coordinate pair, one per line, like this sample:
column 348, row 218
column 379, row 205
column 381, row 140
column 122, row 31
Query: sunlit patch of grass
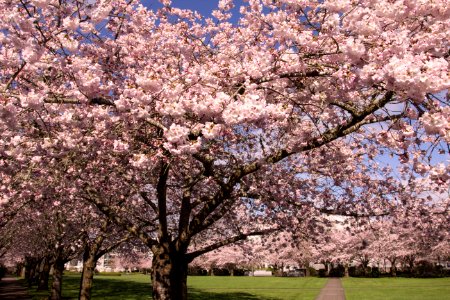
column 397, row 288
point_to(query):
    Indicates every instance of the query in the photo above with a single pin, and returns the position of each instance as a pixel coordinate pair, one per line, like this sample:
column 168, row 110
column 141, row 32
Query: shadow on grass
column 12, row 289
column 195, row 294
column 106, row 287
column 103, row 288
column 127, row 289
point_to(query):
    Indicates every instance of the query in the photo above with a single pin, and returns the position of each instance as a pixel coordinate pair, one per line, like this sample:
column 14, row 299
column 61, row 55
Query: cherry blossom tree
column 229, row 257
column 195, row 132
column 47, row 238
column 101, row 237
column 415, row 229
column 57, row 233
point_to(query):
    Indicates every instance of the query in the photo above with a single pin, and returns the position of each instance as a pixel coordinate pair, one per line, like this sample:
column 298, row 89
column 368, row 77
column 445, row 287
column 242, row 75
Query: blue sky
column 204, row 7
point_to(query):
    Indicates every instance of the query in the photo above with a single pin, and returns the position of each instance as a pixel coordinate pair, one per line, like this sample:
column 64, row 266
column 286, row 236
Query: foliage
column 197, row 271
column 313, row 272
column 375, row 272
column 220, row 272
column 322, row 273
column 337, row 271
column 426, row 269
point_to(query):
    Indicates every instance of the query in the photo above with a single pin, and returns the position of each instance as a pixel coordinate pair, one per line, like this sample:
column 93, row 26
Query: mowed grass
column 397, row 288
column 249, row 288
column 127, row 287
column 137, row 287
column 134, row 287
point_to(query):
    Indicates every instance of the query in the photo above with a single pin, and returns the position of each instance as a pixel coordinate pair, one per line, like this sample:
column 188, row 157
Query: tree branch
column 107, row 211
column 156, row 124
column 207, row 162
column 185, row 213
column 149, row 201
column 112, row 247
column 11, row 80
column 197, row 224
column 308, row 74
column 352, row 214
column 61, row 99
column 240, row 237
column 347, row 107
column 326, row 137
column 161, row 193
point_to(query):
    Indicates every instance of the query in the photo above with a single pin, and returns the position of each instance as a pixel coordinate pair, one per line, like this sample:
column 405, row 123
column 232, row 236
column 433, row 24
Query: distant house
column 106, row 263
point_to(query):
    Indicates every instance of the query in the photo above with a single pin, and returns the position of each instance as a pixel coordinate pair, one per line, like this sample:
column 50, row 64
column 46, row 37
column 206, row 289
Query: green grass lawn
column 397, row 288
column 134, row 287
column 263, row 288
column 137, row 287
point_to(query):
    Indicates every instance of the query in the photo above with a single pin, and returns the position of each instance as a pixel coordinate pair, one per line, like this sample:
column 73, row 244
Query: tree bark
column 307, row 268
column 365, row 264
column 30, row 270
column 44, row 275
column 87, row 275
column 169, row 275
column 411, row 260
column 58, row 269
column 393, row 269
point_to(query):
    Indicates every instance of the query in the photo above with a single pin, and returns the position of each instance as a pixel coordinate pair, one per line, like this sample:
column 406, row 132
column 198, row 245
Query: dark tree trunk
column 346, row 274
column 327, row 268
column 44, row 275
column 20, row 270
column 365, row 264
column 30, row 270
column 169, row 275
column 411, row 260
column 305, row 264
column 37, row 271
column 393, row 269
column 87, row 276
column 58, row 269
column 27, row 268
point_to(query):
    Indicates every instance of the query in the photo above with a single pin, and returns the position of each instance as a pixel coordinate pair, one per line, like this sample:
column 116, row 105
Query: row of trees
column 191, row 133
column 390, row 243
column 403, row 238
column 41, row 239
